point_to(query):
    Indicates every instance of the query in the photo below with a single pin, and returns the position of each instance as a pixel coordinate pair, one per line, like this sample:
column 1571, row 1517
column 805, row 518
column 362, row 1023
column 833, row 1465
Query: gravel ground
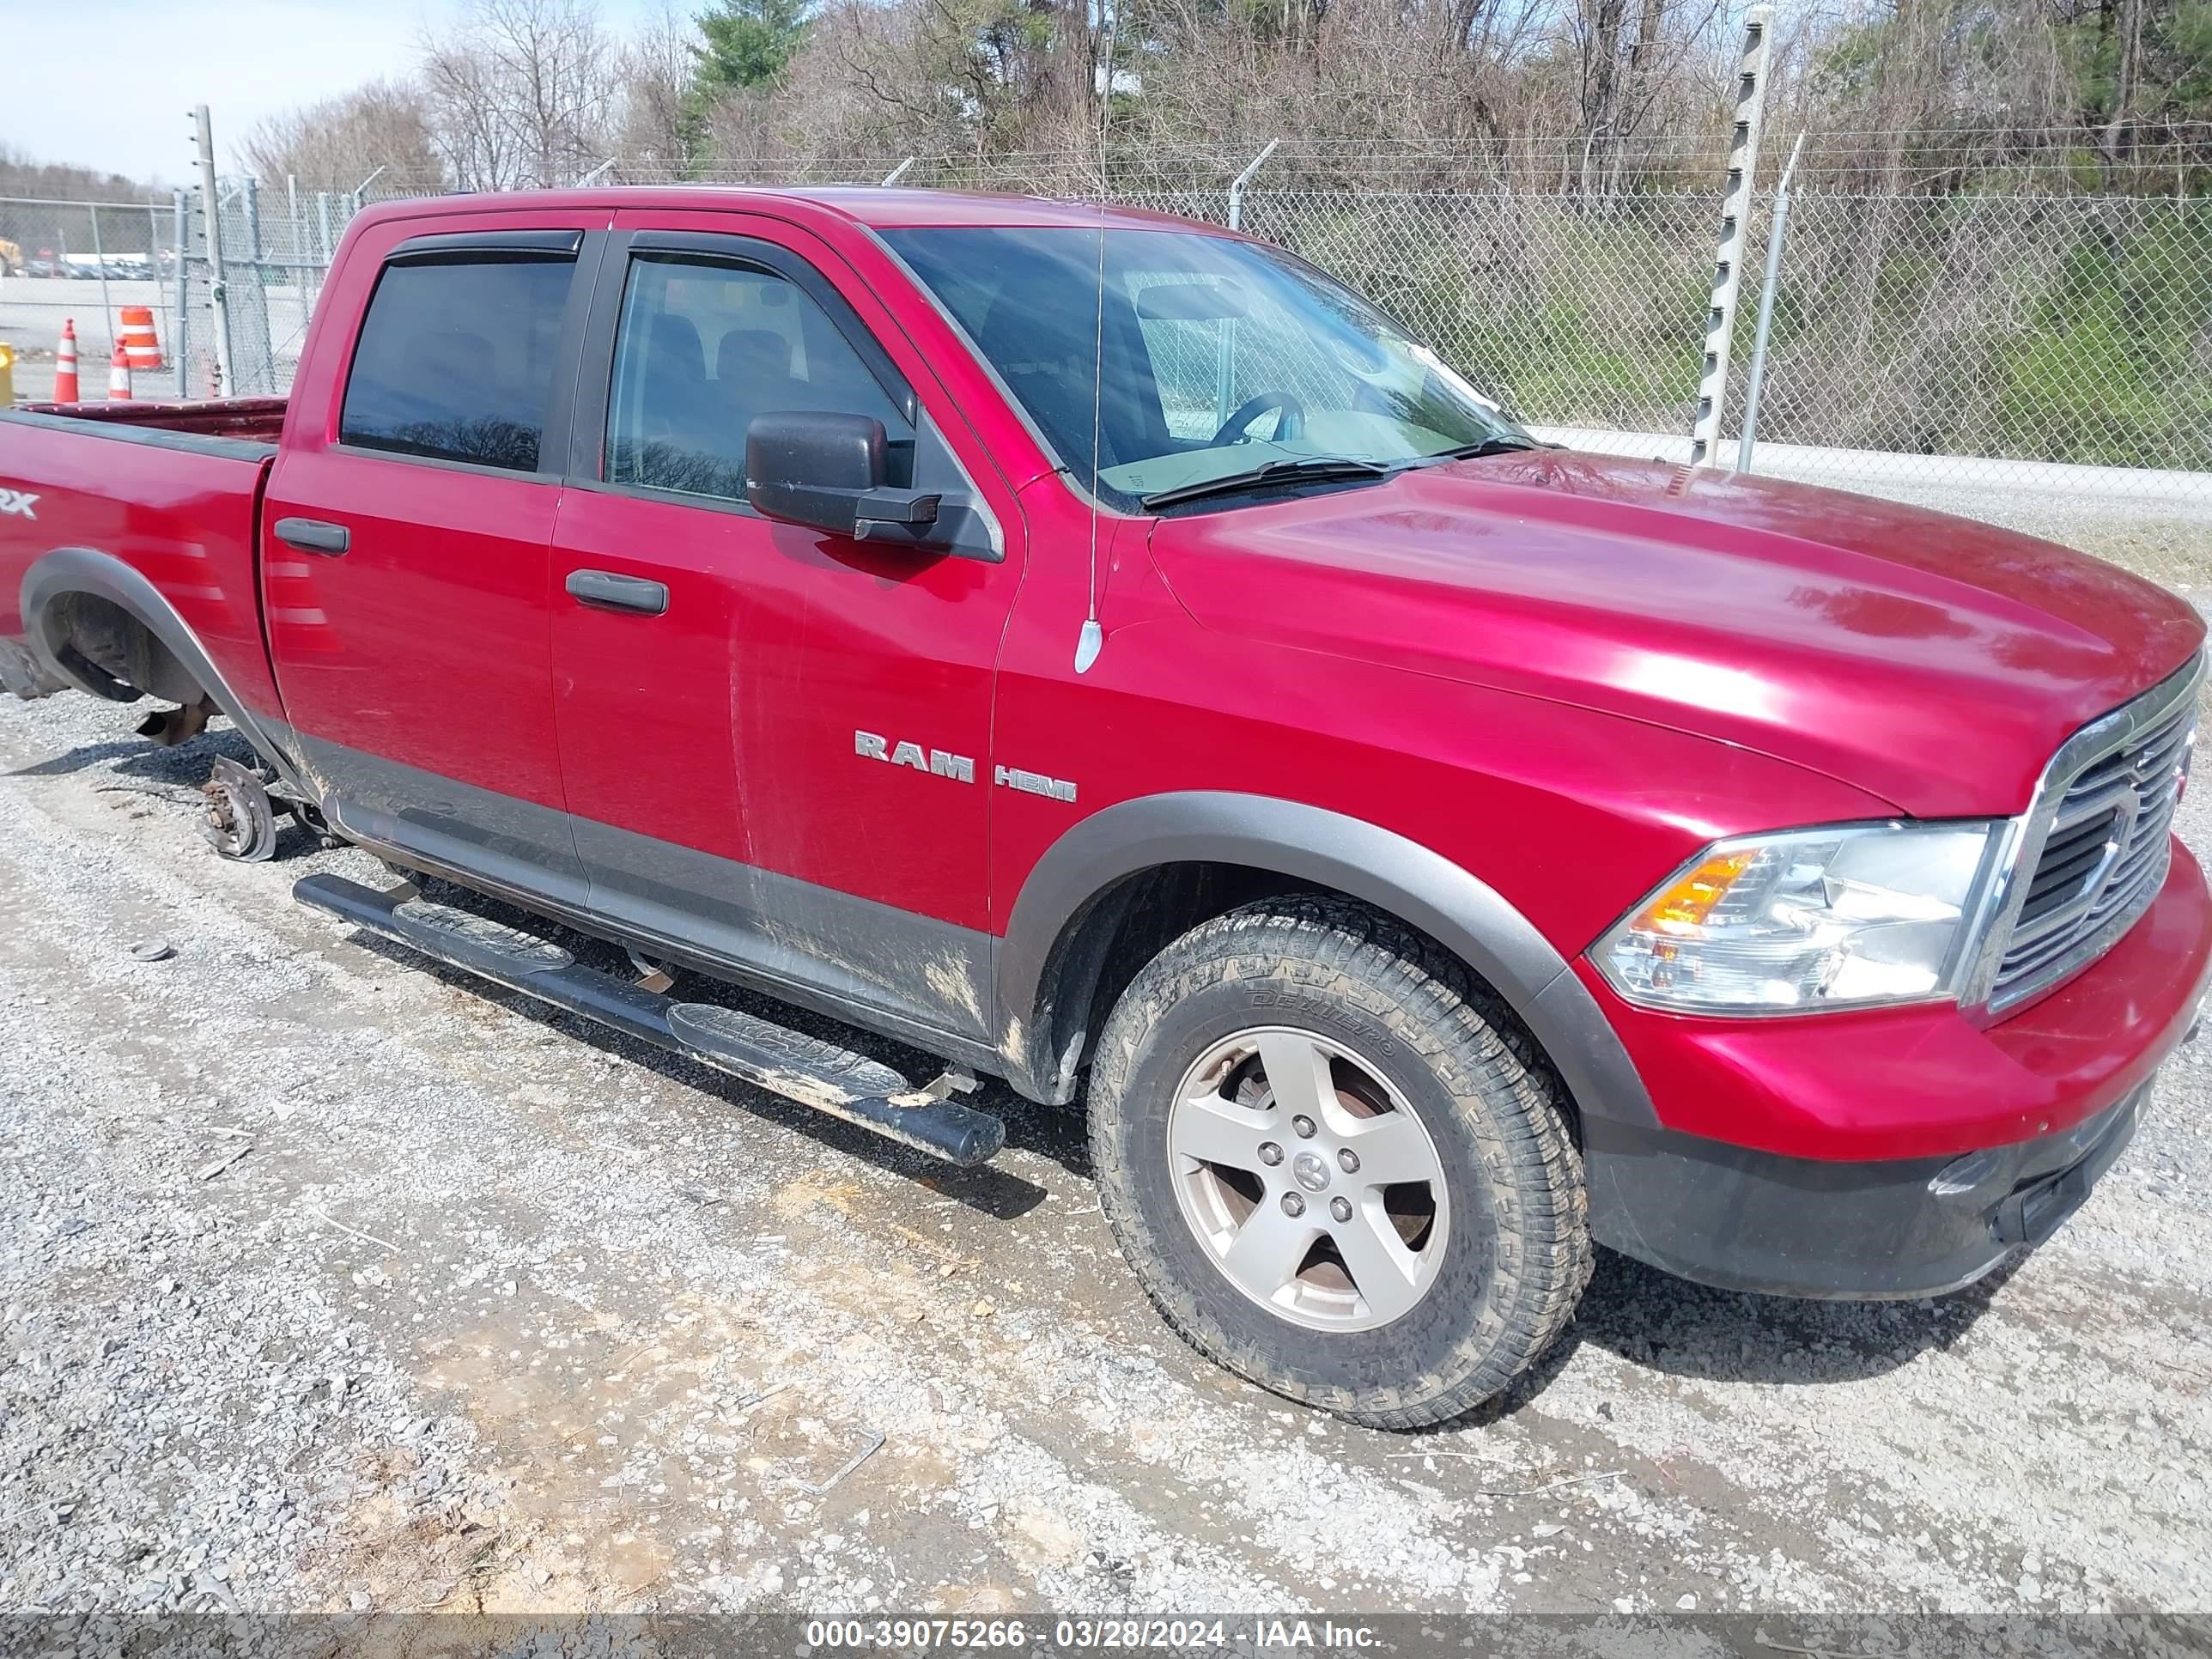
column 328, row 1282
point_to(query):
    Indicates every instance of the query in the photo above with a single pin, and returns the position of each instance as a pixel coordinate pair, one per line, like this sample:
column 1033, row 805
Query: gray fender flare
column 72, row 570
column 1413, row 883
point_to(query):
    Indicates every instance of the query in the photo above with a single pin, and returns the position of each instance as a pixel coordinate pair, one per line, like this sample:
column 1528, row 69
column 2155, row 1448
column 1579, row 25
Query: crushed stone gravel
column 332, row 1281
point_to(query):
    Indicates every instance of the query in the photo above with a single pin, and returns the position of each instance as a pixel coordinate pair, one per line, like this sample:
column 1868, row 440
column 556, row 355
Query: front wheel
column 1330, row 1168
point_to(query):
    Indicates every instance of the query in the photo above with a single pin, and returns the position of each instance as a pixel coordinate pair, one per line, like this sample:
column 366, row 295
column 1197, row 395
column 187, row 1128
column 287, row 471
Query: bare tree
column 339, row 141
column 658, row 118
column 2121, row 21
column 21, row 176
column 1599, row 96
column 519, row 94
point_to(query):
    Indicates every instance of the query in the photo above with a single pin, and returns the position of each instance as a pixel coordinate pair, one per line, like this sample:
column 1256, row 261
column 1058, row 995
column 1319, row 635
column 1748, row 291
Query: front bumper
column 1896, row 1152
column 1786, row 1226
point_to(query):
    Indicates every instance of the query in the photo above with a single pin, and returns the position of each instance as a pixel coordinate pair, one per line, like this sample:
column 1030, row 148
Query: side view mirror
column 826, row 471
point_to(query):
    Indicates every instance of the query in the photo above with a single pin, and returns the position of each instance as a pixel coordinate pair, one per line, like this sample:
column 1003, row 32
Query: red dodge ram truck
column 1102, row 653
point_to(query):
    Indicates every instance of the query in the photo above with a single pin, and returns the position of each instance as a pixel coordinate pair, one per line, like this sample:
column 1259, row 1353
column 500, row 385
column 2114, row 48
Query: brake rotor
column 239, row 821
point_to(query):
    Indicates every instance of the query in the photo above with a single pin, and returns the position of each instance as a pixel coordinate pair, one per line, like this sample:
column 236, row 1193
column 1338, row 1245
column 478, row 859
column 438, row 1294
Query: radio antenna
column 1092, row 639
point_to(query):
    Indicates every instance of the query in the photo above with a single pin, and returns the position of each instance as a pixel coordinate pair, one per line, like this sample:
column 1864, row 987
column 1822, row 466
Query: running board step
column 808, row 1070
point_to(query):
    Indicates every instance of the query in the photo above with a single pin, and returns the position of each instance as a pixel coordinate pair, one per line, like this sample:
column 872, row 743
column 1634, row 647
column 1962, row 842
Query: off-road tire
column 1519, row 1254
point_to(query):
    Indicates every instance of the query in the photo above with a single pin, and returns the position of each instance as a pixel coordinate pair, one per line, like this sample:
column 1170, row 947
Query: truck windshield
column 1213, row 357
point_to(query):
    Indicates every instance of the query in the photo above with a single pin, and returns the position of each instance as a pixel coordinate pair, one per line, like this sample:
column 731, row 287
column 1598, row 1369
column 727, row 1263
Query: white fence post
column 898, row 172
column 1728, row 263
column 1778, row 226
column 180, row 330
column 1236, row 190
column 100, row 264
column 218, row 299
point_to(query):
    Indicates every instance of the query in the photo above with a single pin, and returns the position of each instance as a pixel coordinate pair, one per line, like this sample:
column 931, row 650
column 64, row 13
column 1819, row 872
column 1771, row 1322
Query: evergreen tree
column 748, row 42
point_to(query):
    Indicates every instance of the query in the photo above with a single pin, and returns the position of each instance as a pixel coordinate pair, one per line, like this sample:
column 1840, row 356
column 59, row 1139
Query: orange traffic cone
column 119, row 375
column 65, row 388
column 139, row 339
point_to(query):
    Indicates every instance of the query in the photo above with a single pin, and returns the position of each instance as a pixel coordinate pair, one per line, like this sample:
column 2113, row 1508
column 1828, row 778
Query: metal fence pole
column 1775, row 231
column 218, row 300
column 898, row 172
column 361, row 189
column 180, row 329
column 1728, row 262
column 100, row 264
column 1236, row 190
column 323, row 218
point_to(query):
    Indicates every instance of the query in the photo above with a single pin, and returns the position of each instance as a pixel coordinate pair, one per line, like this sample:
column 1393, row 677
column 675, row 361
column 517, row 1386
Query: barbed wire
column 2175, row 159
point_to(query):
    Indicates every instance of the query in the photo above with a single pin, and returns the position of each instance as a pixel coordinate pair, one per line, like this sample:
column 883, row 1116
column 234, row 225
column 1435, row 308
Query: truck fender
column 69, row 571
column 1046, row 977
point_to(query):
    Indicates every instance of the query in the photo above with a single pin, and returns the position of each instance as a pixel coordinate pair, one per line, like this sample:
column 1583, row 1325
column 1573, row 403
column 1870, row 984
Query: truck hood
column 1931, row 661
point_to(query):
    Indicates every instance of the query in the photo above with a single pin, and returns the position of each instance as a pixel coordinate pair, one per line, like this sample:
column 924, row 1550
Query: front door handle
column 610, row 591
column 313, row 536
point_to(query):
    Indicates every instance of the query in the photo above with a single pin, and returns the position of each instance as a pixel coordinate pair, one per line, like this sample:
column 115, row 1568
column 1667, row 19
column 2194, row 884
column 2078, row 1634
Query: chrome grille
column 2098, row 846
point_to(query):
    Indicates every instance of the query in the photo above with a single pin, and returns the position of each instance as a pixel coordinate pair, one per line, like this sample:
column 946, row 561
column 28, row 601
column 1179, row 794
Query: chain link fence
column 276, row 250
column 1570, row 312
column 1970, row 342
column 81, row 264
column 83, row 261
column 2017, row 331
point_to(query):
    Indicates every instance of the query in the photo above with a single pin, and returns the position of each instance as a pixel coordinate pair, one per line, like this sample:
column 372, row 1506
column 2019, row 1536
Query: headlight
column 1809, row 918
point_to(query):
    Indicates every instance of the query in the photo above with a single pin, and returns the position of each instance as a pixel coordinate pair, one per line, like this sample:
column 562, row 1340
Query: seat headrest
column 753, row 354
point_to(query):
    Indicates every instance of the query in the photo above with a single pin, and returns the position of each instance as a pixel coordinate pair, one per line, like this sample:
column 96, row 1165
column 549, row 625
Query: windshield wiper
column 1485, row 446
column 1302, row 470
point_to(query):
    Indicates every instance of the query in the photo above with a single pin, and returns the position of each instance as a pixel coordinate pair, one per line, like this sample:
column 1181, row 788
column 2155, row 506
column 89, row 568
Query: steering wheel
column 1290, row 420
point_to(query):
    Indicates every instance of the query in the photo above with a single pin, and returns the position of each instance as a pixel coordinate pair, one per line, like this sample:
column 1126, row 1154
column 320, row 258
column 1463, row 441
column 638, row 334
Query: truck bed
column 164, row 495
column 256, row 420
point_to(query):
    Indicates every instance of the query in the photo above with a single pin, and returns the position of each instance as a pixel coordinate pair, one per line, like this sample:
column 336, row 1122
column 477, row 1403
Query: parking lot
column 34, row 308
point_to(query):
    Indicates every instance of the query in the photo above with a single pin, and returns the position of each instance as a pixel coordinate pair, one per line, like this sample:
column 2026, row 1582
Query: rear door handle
column 610, row 591
column 313, row 536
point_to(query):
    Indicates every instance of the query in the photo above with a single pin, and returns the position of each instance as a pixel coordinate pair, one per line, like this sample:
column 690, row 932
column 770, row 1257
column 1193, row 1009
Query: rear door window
column 456, row 361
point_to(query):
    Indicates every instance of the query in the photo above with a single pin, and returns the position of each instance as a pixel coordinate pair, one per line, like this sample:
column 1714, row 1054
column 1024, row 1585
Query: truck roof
column 875, row 206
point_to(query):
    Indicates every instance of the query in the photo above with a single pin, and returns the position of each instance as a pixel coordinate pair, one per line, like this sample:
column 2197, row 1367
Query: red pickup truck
column 1104, row 653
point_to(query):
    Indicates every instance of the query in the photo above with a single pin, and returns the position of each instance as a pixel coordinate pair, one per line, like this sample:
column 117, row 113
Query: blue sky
column 107, row 83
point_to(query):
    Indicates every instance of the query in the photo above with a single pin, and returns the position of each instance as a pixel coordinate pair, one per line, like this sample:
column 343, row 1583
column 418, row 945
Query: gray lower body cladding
column 917, row 978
